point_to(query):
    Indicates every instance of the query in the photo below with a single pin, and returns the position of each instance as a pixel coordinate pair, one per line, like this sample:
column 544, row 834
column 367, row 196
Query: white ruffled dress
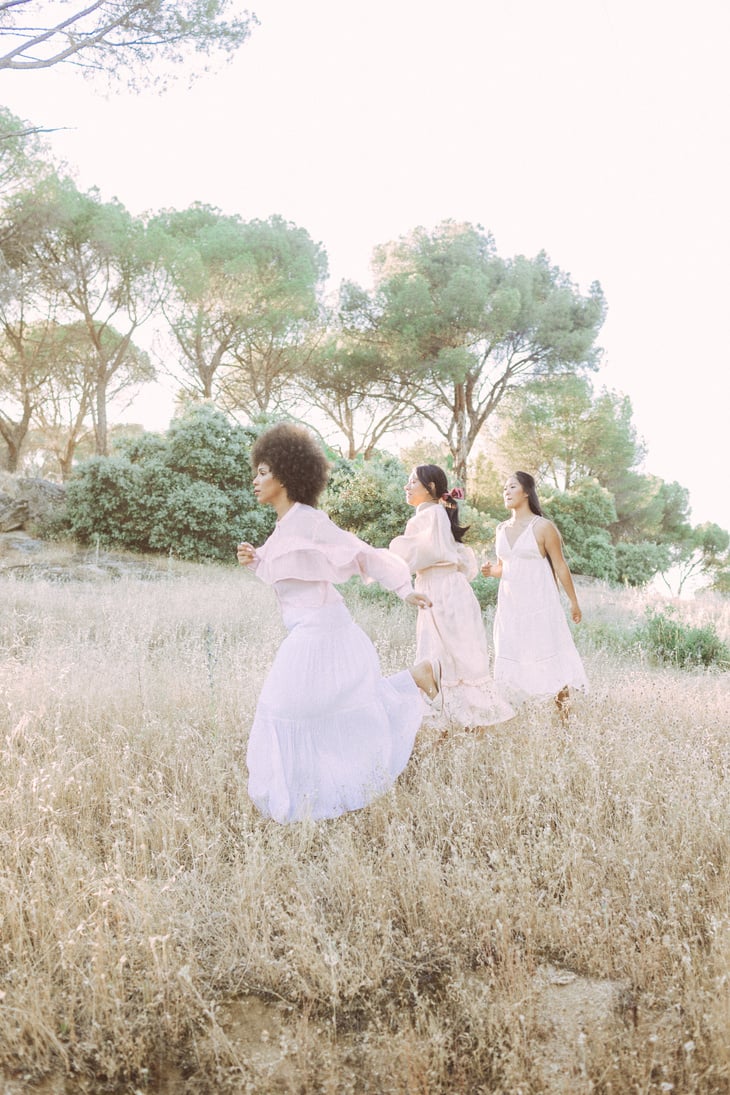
column 535, row 655
column 330, row 733
column 453, row 629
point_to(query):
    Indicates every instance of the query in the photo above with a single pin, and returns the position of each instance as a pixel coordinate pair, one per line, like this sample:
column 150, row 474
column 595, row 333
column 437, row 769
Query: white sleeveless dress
column 330, row 733
column 534, row 652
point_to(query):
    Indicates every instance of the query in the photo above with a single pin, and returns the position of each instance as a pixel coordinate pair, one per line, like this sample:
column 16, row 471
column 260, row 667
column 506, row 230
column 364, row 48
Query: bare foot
column 562, row 702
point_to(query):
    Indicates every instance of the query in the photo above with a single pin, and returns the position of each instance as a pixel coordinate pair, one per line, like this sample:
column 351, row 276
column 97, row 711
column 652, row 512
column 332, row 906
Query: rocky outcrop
column 26, row 502
column 14, row 514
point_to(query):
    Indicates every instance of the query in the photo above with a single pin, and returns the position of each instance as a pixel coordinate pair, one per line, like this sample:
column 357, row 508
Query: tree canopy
column 242, row 303
column 463, row 326
column 121, row 38
column 81, row 259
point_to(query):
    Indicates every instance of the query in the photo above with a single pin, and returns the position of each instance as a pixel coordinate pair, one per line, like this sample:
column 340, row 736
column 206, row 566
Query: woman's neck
column 282, row 507
column 522, row 512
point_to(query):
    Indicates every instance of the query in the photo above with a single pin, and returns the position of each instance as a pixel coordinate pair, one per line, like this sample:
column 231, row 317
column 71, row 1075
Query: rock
column 20, row 542
column 14, row 515
column 41, row 495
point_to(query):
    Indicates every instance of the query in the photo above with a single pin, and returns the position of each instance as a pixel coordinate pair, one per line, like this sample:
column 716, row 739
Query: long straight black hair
column 433, row 478
column 527, row 483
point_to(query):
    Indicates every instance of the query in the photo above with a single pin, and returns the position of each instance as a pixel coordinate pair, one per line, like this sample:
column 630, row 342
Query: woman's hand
column 246, row 554
column 419, row 600
column 575, row 613
column 491, row 570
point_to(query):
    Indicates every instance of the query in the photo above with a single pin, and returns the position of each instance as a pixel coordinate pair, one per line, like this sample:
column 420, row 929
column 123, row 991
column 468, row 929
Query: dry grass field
column 537, row 909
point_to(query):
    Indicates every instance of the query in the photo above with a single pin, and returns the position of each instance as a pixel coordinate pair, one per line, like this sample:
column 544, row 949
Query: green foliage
column 484, row 488
column 651, row 509
column 595, row 556
column 242, row 302
column 481, row 526
column 704, row 553
column 367, row 498
column 485, row 591
column 583, row 515
column 188, row 492
column 673, row 643
column 466, row 325
column 638, row 563
column 92, row 266
column 721, row 581
column 606, row 635
column 100, row 502
column 555, row 427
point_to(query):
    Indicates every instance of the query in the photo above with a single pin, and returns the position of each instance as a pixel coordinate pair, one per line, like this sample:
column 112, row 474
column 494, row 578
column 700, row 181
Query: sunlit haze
column 596, row 131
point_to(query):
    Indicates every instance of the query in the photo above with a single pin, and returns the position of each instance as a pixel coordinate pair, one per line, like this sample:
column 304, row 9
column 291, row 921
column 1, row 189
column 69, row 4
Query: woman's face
column 415, row 491
column 513, row 492
column 266, row 486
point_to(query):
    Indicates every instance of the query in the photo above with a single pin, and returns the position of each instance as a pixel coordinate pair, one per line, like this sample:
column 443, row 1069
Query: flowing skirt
column 330, row 733
column 452, row 631
column 535, row 655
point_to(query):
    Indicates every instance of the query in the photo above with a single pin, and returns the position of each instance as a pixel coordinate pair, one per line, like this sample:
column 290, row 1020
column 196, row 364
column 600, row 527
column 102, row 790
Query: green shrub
column 583, row 515
column 187, row 492
column 638, row 563
column 485, row 591
column 100, row 501
column 674, row 643
column 481, row 526
column 614, row 638
column 367, row 497
column 355, row 590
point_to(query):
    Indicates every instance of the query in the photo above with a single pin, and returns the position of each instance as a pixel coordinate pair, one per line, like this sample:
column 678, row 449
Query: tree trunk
column 101, row 428
column 460, row 447
column 14, row 435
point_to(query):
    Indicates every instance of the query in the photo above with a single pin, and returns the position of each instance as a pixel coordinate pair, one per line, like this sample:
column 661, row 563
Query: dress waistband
column 331, row 615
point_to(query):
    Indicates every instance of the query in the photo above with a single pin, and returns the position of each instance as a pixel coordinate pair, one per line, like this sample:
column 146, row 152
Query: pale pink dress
column 330, row 733
column 452, row 631
column 534, row 650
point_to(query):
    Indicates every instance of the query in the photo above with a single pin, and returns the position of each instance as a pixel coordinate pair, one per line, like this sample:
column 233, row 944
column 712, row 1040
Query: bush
column 674, row 643
column 583, row 515
column 100, row 501
column 187, row 492
column 638, row 563
column 368, row 498
column 485, row 591
column 482, row 527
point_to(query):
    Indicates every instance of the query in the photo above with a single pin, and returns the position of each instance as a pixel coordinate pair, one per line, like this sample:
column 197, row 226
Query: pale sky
column 596, row 130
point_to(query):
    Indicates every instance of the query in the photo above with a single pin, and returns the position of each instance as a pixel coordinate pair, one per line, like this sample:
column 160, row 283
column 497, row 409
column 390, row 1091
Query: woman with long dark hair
column 451, row 630
column 534, row 650
column 330, row 733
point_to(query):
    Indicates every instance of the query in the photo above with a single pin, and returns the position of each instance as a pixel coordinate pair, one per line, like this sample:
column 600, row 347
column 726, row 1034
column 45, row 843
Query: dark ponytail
column 433, row 478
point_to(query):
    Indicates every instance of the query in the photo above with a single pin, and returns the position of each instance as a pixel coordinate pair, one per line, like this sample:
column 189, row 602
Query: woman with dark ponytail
column 534, row 650
column 451, row 631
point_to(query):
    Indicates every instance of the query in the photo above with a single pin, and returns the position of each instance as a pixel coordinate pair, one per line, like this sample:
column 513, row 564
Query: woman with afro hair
column 330, row 733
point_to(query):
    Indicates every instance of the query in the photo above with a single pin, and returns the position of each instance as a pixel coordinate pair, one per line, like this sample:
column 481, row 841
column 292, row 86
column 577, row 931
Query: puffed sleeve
column 467, row 562
column 427, row 540
column 309, row 547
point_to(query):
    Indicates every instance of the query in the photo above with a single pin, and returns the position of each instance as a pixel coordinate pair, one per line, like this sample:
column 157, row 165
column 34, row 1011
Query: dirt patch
column 573, row 1011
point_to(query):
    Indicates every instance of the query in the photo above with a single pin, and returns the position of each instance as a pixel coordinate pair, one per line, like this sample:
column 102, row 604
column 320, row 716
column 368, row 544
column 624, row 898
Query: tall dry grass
column 158, row 935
